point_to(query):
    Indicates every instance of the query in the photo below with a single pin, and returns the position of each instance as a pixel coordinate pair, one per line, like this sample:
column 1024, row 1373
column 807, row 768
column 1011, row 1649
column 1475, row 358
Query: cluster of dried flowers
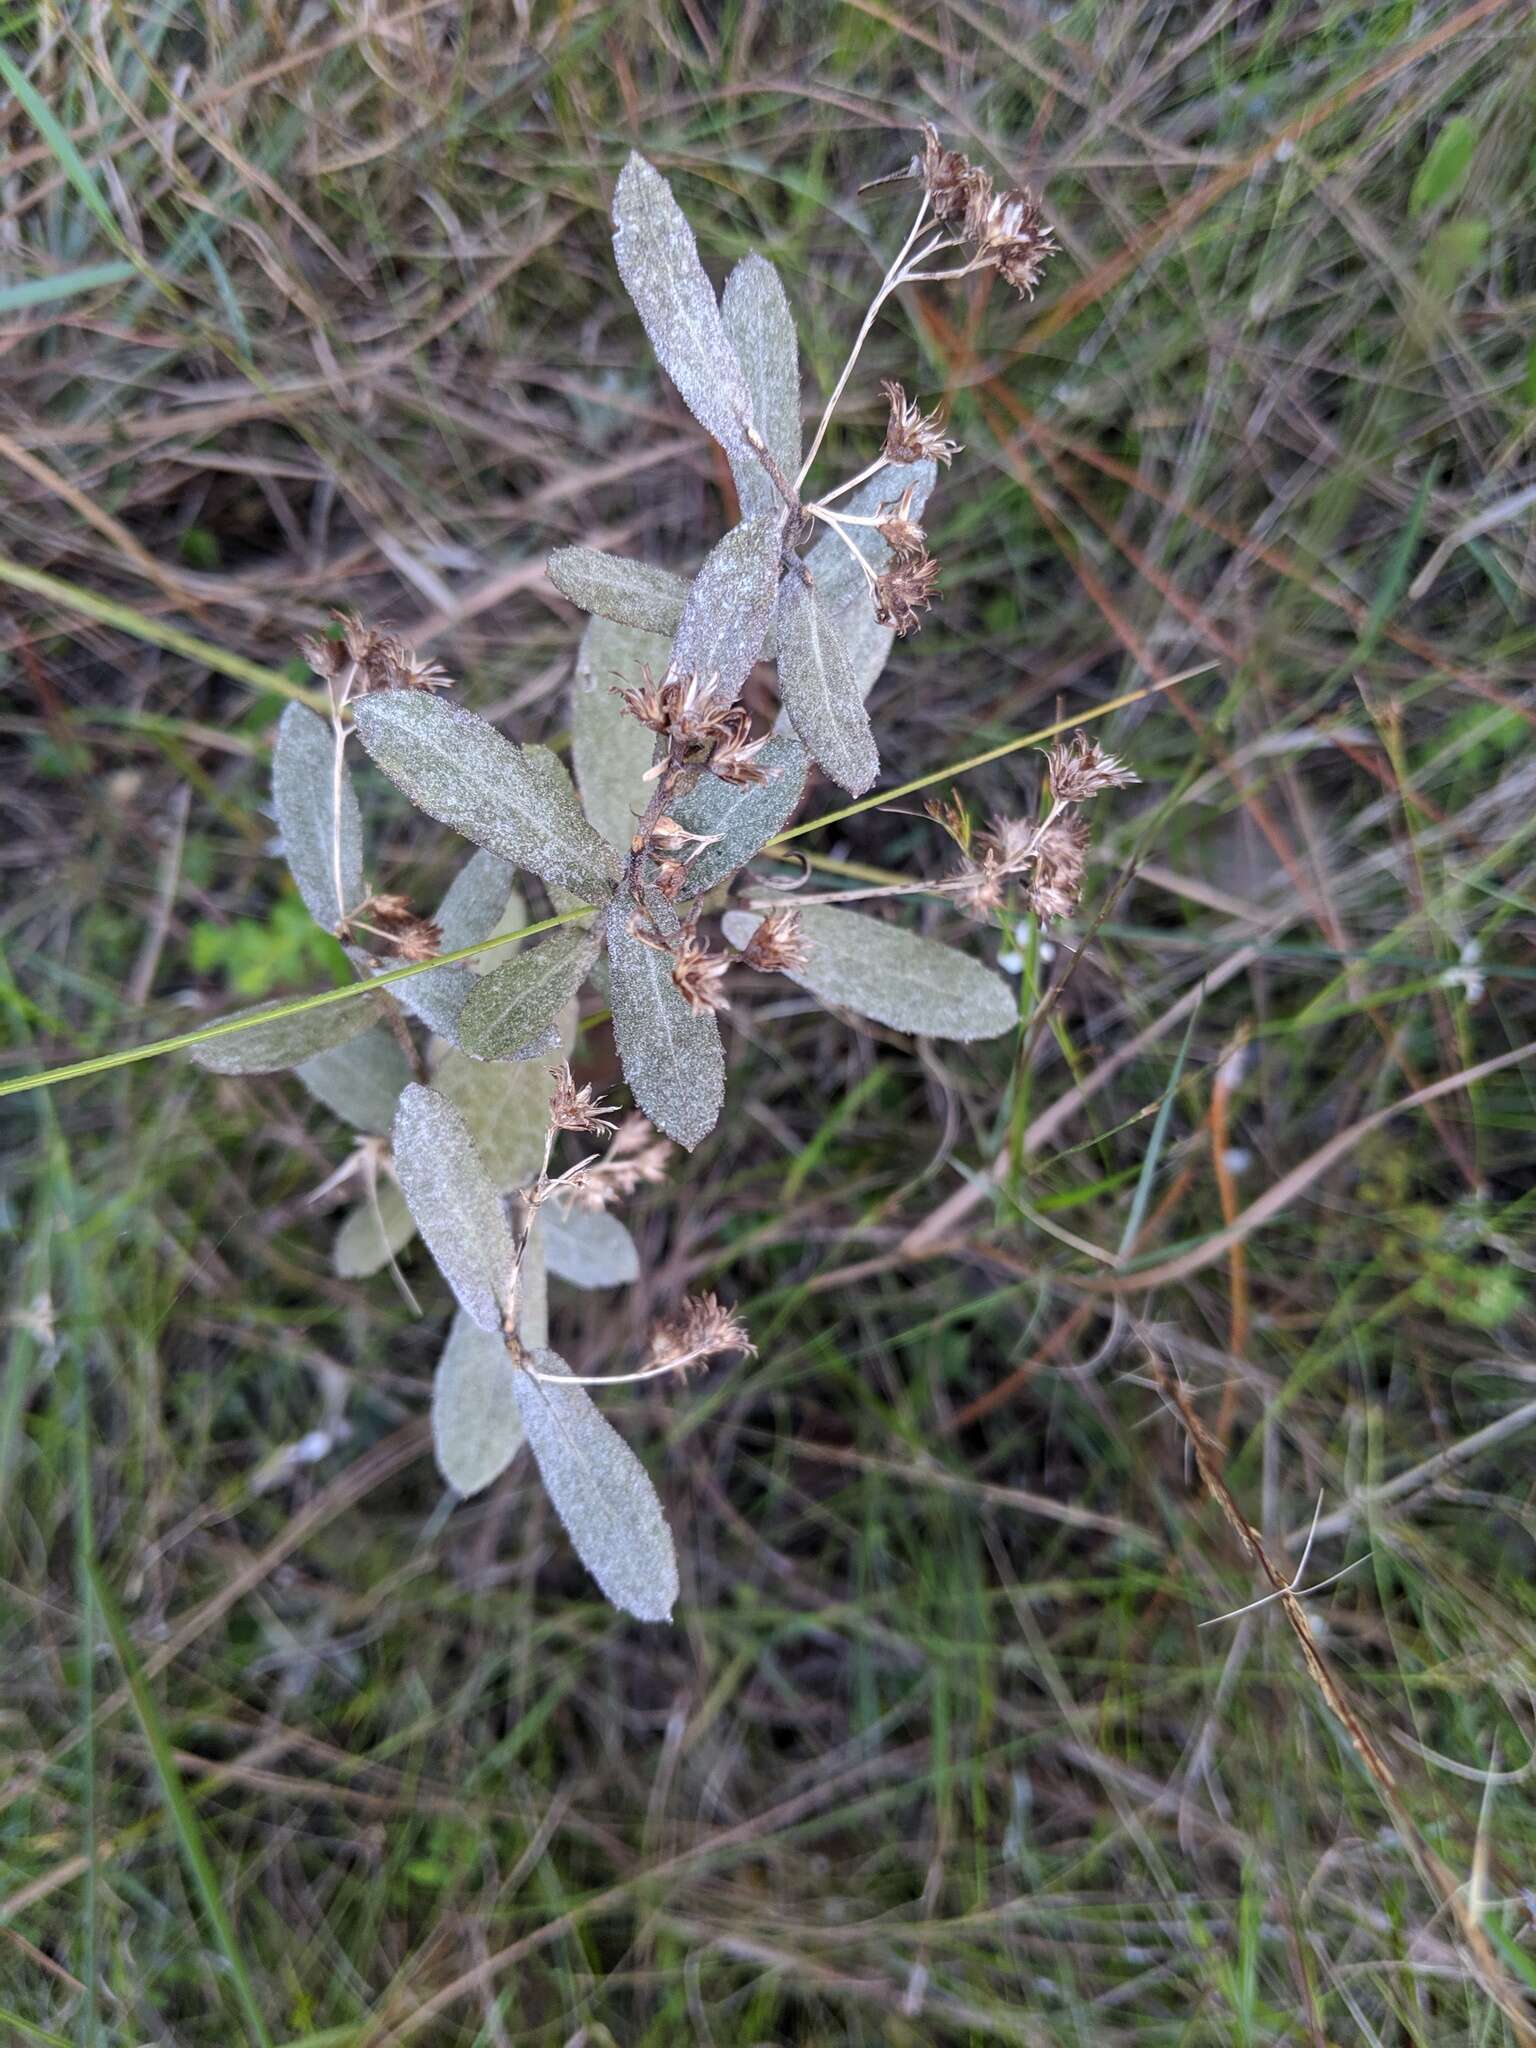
column 457, row 1080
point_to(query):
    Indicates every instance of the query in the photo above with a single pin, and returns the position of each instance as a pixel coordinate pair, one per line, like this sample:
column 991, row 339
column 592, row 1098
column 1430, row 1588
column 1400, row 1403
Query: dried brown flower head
column 326, row 658
column 735, row 756
column 1014, row 237
column 1079, row 768
column 697, row 974
column 951, row 178
column 912, row 435
column 380, row 660
column 1056, row 885
column 683, row 709
column 576, row 1109
column 636, row 1157
column 980, row 886
column 950, row 813
column 1004, row 228
column 901, row 532
column 778, row 946
column 904, row 592
column 408, row 935
column 698, row 1330
column 669, row 837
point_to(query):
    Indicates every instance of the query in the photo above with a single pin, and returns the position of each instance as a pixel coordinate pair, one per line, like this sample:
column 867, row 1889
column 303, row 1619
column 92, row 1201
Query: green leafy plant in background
column 457, row 1082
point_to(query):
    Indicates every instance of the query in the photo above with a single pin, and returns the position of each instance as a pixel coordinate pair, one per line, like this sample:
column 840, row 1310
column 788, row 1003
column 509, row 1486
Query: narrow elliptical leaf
column 613, row 587
column 588, row 1247
column 894, row 976
column 313, row 823
column 672, row 1058
column 762, row 329
column 477, row 1425
column 456, row 1208
column 820, row 690
column 600, row 1491
column 477, row 900
column 516, row 801
column 506, row 1106
column 730, row 606
column 509, row 1012
column 376, row 1231
column 745, row 816
column 610, row 751
column 286, row 1041
column 361, row 1081
column 658, row 260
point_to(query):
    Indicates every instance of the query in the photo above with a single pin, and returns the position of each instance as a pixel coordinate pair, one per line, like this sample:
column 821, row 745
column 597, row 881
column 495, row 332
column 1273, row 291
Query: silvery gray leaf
column 514, row 919
column 880, row 971
column 820, row 690
column 533, row 1291
column 730, row 604
column 659, row 263
column 588, row 1247
column 457, row 1209
column 611, row 751
column 478, row 898
column 516, row 801
column 745, row 815
column 360, row 1081
column 304, row 797
column 838, row 580
column 614, row 587
column 477, row 1426
column 370, row 1237
column 600, row 1491
column 509, row 1014
column 672, row 1059
column 286, row 1041
column 506, row 1107
column 762, row 329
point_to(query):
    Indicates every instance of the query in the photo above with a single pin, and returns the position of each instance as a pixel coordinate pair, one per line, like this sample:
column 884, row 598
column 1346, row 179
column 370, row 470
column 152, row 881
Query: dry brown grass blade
column 1437, row 1874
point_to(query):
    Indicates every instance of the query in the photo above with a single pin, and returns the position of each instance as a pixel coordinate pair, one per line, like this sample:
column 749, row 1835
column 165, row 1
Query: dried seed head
column 576, row 1109
column 1079, row 768
column 383, row 661
column 911, row 434
column 326, row 658
column 697, row 974
column 669, row 837
column 669, row 878
column 904, row 592
column 1012, row 842
column 635, row 1157
column 735, row 756
column 1009, row 233
column 778, row 946
column 408, row 935
column 697, row 1331
column 1061, row 852
column 980, row 886
column 950, row 177
column 901, row 531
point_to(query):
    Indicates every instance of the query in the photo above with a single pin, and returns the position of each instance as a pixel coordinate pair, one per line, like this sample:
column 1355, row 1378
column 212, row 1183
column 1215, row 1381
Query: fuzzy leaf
column 509, row 1013
column 746, row 815
column 477, row 1426
column 730, row 605
column 360, row 1081
column 286, row 1041
column 821, row 692
column 506, row 1107
column 588, row 1247
column 304, row 799
column 362, row 1246
column 659, row 263
column 600, row 1491
column 478, row 897
column 611, row 751
column 838, row 581
column 762, row 330
column 456, row 1207
column 516, row 801
column 880, row 971
column 613, row 587
column 533, row 1291
column 672, row 1059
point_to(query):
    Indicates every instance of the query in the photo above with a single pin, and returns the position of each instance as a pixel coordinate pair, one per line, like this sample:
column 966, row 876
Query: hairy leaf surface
column 600, row 1491
column 457, row 1209
column 730, row 605
column 820, row 690
column 658, row 260
column 360, row 1081
column 672, row 1059
column 509, row 1013
column 305, row 798
column 588, row 1247
column 745, row 815
column 506, row 1106
column 286, row 1041
column 477, row 1425
column 516, row 801
column 477, row 900
column 898, row 978
column 614, row 587
column 369, row 1238
column 762, row 329
column 611, row 751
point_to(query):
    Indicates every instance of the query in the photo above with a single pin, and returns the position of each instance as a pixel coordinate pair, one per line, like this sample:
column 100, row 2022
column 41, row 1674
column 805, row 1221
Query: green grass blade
column 183, row 1819
column 39, row 291
column 1155, row 1143
column 57, row 137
